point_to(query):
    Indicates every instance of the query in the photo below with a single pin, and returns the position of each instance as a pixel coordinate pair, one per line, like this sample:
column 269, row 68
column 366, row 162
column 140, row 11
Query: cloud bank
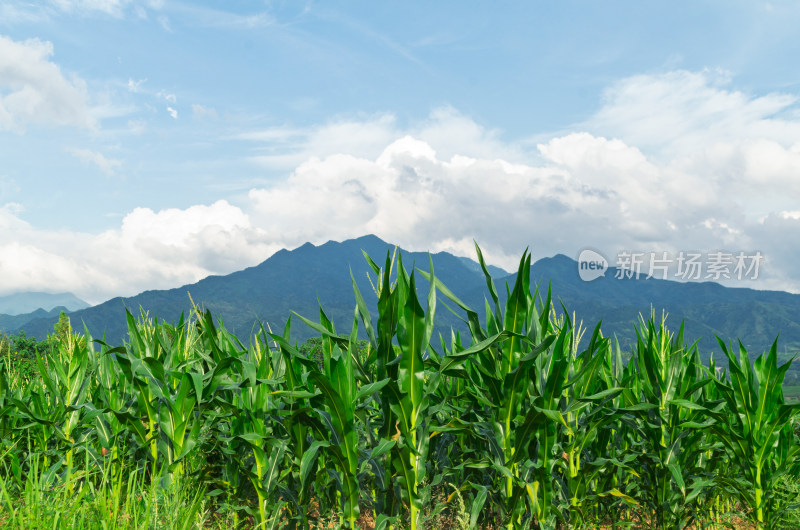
column 671, row 162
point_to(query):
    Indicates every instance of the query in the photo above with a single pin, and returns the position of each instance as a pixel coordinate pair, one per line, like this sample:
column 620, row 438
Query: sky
column 146, row 144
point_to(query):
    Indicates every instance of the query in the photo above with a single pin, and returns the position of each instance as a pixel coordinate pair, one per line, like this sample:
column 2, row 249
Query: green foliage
column 28, row 347
column 520, row 425
column 62, row 328
column 312, row 348
column 757, row 428
column 20, row 353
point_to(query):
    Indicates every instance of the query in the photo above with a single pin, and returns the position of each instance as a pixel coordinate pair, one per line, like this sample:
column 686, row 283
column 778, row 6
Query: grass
column 122, row 503
column 110, row 503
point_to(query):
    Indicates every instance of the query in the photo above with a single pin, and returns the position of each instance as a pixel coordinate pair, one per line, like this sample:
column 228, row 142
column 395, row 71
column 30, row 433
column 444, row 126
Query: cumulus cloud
column 286, row 147
column 687, row 164
column 440, row 183
column 87, row 156
column 407, row 194
column 411, row 195
column 149, row 250
column 34, row 90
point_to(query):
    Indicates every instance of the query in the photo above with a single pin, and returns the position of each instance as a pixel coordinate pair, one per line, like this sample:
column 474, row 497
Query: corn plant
column 516, row 418
column 589, row 403
column 517, row 422
column 664, row 410
column 756, row 427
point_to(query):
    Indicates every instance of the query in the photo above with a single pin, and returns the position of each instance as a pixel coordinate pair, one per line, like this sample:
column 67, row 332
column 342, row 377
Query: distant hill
column 707, row 308
column 294, row 280
column 288, row 281
column 28, row 302
column 11, row 323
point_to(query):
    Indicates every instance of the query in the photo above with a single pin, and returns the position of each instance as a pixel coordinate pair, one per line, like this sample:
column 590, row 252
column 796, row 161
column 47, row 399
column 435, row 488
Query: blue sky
column 149, row 143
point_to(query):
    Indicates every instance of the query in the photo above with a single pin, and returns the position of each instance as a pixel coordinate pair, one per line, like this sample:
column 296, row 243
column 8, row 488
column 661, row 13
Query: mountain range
column 11, row 323
column 309, row 276
column 21, row 303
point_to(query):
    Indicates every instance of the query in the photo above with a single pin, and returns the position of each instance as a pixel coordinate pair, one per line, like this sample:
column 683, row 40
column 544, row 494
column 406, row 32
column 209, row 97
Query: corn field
column 527, row 422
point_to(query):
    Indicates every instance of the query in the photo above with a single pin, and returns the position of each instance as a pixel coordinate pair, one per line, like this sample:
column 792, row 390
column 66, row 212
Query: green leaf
column 686, row 404
column 383, row 447
column 371, row 388
column 308, row 460
column 477, row 505
column 676, row 474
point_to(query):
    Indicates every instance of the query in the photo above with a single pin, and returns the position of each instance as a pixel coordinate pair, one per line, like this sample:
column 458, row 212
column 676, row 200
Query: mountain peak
column 306, row 246
column 369, row 238
column 560, row 259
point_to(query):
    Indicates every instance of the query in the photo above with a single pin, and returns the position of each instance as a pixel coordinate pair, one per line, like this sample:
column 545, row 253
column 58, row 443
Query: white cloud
column 111, row 7
column 411, row 195
column 678, row 111
column 34, row 90
column 450, row 180
column 173, row 113
column 167, row 96
column 150, row 250
column 200, row 111
column 114, row 8
column 87, row 156
column 8, row 216
column 285, row 147
column 447, row 180
column 133, row 86
column 791, row 215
